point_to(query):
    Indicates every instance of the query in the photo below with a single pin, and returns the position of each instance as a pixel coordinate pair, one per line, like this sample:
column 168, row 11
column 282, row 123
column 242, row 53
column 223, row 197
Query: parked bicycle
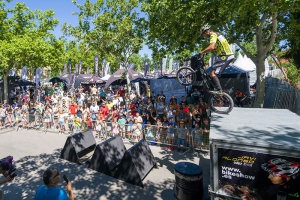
column 220, row 102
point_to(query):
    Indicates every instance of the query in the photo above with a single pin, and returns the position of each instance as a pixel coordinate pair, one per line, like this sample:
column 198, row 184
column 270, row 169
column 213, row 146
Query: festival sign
column 65, row 68
column 38, row 76
column 257, row 176
column 80, row 67
column 76, row 69
column 24, row 72
column 96, row 63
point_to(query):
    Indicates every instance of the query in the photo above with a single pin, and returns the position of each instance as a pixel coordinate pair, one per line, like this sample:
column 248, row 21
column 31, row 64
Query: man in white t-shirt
column 139, row 118
column 94, row 108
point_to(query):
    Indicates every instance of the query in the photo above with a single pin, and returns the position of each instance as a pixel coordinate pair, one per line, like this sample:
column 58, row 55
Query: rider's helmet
column 205, row 27
column 283, row 168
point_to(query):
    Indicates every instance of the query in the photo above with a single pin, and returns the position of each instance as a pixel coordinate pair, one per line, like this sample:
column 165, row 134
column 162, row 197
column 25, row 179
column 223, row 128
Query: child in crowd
column 122, row 122
column 182, row 136
column 205, row 128
column 149, row 131
column 24, row 119
column 197, row 134
column 159, row 131
column 70, row 121
column 77, row 123
column 89, row 123
column 103, row 128
column 115, row 127
column 129, row 123
column 47, row 119
column 171, row 132
column 98, row 128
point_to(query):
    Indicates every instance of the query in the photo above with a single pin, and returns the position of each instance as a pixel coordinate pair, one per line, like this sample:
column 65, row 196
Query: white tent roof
column 245, row 63
column 105, row 78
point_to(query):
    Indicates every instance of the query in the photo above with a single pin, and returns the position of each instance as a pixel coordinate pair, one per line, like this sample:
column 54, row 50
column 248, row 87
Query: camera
column 12, row 173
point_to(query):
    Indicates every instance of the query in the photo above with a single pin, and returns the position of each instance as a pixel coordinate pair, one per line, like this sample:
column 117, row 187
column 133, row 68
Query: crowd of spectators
column 111, row 112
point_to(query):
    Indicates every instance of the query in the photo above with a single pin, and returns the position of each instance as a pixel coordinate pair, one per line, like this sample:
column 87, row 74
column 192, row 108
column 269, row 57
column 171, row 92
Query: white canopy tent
column 106, row 77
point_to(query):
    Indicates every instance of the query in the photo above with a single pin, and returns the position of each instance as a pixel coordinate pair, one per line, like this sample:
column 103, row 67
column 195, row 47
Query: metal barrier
column 280, row 94
column 154, row 134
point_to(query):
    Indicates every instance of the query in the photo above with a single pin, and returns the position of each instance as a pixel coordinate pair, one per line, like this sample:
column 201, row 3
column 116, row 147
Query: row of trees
column 116, row 31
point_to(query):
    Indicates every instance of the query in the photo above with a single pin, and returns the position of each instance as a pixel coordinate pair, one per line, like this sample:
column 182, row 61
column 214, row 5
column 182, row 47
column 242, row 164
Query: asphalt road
column 34, row 151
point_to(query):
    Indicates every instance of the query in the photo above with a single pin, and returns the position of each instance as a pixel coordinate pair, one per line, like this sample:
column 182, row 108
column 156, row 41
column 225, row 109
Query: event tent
column 106, row 77
column 118, row 76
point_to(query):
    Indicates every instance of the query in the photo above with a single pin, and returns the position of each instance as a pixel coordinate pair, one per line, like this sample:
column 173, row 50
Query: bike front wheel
column 186, row 76
column 221, row 103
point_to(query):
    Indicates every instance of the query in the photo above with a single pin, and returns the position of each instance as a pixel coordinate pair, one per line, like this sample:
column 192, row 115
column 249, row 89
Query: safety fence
column 155, row 135
column 281, row 95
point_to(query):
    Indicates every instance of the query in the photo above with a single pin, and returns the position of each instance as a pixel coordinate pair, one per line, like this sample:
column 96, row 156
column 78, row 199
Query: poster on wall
column 257, row 176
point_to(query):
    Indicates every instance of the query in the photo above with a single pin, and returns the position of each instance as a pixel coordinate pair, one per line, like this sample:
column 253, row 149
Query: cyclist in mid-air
column 225, row 56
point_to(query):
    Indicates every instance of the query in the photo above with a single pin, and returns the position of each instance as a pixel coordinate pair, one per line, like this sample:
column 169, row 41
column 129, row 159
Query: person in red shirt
column 89, row 122
column 48, row 98
column 104, row 109
column 186, row 109
column 132, row 107
column 121, row 92
column 73, row 108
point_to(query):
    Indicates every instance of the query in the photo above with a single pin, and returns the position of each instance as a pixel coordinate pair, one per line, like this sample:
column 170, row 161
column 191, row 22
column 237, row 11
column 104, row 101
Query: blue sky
column 63, row 11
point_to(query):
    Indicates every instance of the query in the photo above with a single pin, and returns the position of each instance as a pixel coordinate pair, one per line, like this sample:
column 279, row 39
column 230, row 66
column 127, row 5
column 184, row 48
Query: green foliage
column 176, row 25
column 112, row 28
column 293, row 74
column 25, row 38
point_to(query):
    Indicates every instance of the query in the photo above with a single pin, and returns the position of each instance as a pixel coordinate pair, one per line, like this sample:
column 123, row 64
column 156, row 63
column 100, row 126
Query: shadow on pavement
column 88, row 184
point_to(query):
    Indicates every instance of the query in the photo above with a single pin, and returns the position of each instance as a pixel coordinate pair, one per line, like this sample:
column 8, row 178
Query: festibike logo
column 241, row 160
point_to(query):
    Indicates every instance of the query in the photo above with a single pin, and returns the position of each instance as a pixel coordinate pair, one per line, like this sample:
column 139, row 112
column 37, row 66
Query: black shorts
column 221, row 62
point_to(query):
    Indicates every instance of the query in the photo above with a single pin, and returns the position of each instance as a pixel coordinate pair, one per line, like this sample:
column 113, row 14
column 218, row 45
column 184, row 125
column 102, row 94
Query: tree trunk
column 260, row 83
column 5, row 85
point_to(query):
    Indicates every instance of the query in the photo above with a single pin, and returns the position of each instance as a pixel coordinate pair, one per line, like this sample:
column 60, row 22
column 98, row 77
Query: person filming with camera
column 50, row 191
column 7, row 170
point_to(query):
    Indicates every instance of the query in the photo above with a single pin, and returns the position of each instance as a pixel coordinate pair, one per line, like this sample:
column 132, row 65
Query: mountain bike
column 219, row 102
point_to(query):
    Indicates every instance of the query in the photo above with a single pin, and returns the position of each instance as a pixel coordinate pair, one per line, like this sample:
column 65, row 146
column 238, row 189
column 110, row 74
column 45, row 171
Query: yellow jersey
column 222, row 46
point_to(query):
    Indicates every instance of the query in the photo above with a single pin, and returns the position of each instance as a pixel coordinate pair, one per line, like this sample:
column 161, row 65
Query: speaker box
column 136, row 164
column 108, row 155
column 77, row 146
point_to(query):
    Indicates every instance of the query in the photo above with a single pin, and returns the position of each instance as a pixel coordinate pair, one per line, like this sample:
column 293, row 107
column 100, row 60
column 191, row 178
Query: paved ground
column 35, row 151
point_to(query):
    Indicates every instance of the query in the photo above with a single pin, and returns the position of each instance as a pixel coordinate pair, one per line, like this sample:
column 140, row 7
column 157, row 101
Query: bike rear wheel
column 186, row 76
column 221, row 103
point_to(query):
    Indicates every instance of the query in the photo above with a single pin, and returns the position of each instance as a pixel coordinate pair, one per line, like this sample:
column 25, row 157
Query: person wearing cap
column 50, row 191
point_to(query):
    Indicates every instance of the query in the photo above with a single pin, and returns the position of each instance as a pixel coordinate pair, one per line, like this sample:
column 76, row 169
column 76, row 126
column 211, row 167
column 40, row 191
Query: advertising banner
column 70, row 66
column 38, row 76
column 96, row 63
column 76, row 69
column 80, row 67
column 257, row 176
column 103, row 67
column 171, row 65
column 24, row 72
column 146, row 67
column 131, row 66
column 65, row 68
column 107, row 69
